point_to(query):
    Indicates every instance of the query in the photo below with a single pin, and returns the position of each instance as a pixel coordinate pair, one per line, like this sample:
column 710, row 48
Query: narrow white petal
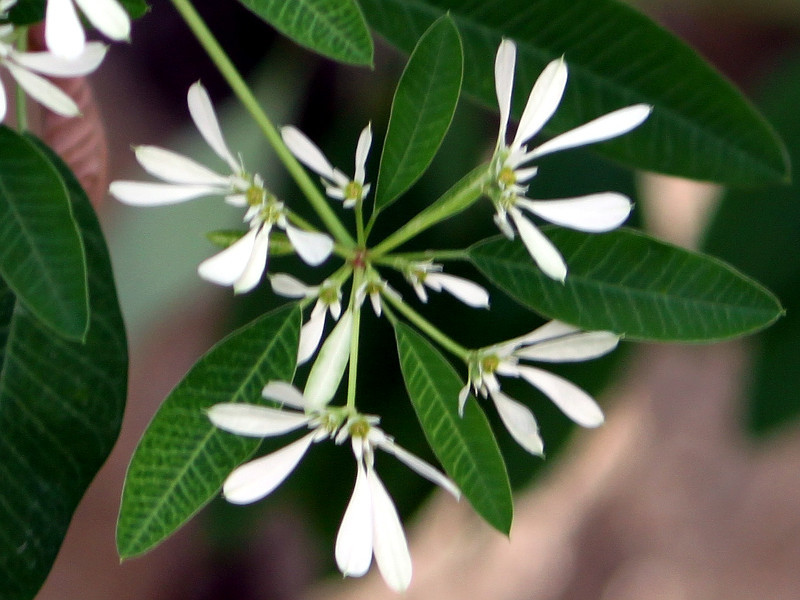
column 311, row 334
column 257, row 478
column 176, row 168
column 550, row 330
column 594, row 213
column 353, row 549
column 287, row 286
column 600, row 129
column 520, row 422
column 501, row 220
column 254, row 269
column 48, row 63
column 542, row 250
column 63, row 32
column 307, row 152
column 328, row 369
column 284, row 393
column 572, row 400
column 463, row 394
column 362, row 152
column 468, row 292
column 205, row 119
column 225, row 267
column 523, row 175
column 3, row 102
column 389, row 540
column 43, row 91
column 375, row 300
column 142, row 193
column 108, row 16
column 423, row 468
column 584, row 345
column 312, row 247
column 542, row 102
column 504, row 64
column 255, row 421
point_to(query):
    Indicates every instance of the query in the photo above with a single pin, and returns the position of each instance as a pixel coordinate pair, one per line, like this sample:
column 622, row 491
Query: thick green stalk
column 352, row 374
column 21, row 97
column 242, row 91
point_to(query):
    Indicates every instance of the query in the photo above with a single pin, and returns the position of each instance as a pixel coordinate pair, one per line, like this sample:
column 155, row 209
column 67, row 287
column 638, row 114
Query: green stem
column 245, row 95
column 21, row 97
column 402, row 259
column 361, row 236
column 352, row 374
column 459, row 197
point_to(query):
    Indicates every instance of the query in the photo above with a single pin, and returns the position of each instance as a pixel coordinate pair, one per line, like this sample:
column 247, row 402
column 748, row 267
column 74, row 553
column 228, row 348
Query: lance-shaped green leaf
column 701, row 128
column 635, row 285
column 334, row 28
column 182, row 459
column 42, row 258
column 422, row 110
column 465, row 446
column 61, row 406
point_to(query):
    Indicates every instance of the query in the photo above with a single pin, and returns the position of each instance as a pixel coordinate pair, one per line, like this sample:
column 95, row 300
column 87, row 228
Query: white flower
column 329, row 300
column 337, row 185
column 552, row 342
column 591, row 213
column 370, row 524
column 373, row 288
column 63, row 31
column 24, row 67
column 242, row 264
column 429, row 274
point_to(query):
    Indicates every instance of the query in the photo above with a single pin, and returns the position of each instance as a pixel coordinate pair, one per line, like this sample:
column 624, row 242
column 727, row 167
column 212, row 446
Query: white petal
column 354, row 541
column 328, row 369
column 362, row 151
column 584, row 345
column 312, row 247
column 48, row 63
column 63, row 32
column 542, row 102
column 141, row 193
column 255, row 421
column 205, row 119
column 463, row 394
column 108, row 16
column 468, row 292
column 375, row 300
column 572, row 400
column 256, row 264
column 504, row 64
column 542, row 250
column 520, row 422
column 284, row 393
column 389, row 541
column 523, row 175
column 600, row 129
column 257, row 478
column 311, row 334
column 176, row 168
column 3, row 102
column 290, row 287
column 43, row 91
column 415, row 463
column 306, row 151
column 225, row 267
column 594, row 213
column 501, row 220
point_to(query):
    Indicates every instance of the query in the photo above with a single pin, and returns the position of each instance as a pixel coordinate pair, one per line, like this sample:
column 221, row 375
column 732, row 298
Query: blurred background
column 690, row 489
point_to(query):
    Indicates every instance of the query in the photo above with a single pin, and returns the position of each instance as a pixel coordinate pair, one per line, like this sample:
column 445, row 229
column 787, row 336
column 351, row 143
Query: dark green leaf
column 334, row 28
column 28, row 12
column 61, row 406
column 630, row 283
column 702, row 127
column 466, row 446
column 422, row 110
column 182, row 459
column 42, row 257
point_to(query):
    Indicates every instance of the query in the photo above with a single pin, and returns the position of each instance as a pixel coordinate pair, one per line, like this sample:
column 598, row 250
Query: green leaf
column 42, row 258
column 422, row 110
column 182, row 459
column 28, row 12
column 466, row 446
column 701, row 128
column 334, row 28
column 61, row 406
column 630, row 283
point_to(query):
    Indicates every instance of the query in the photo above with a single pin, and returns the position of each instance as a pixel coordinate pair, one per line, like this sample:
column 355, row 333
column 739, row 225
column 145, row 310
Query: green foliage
column 42, row 257
column 422, row 110
column 61, row 405
column 630, row 283
column 701, row 128
column 465, row 446
column 182, row 459
column 28, row 12
column 334, row 28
